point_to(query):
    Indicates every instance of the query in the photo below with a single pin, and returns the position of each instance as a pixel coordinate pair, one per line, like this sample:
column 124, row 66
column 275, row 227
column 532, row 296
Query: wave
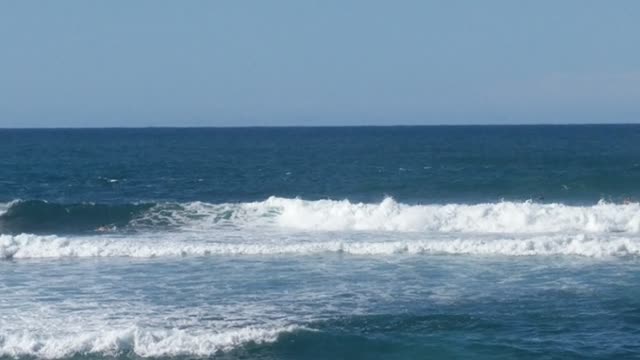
column 37, row 216
column 502, row 217
column 135, row 340
column 5, row 206
column 323, row 215
column 596, row 246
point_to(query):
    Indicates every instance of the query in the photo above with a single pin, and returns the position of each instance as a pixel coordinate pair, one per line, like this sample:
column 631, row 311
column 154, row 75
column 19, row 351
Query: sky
column 302, row 62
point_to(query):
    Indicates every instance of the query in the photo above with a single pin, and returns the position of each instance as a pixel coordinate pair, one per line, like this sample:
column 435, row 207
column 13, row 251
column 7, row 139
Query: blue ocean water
column 484, row 242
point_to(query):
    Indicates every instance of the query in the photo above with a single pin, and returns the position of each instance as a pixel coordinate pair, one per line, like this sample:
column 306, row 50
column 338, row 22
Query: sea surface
column 461, row 242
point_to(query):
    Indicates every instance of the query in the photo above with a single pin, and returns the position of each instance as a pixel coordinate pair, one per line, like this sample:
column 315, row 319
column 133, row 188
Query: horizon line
column 311, row 126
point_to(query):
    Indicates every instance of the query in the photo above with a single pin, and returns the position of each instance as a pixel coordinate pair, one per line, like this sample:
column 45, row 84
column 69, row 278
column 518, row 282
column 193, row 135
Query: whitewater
column 296, row 226
column 281, row 230
column 388, row 215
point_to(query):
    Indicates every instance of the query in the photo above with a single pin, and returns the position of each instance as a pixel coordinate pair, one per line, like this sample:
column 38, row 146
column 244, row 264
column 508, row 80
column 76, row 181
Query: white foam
column 389, row 215
column 139, row 341
column 295, row 226
column 32, row 246
column 502, row 217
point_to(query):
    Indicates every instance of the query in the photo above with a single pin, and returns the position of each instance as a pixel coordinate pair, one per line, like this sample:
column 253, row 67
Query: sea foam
column 390, row 215
column 296, row 226
column 33, row 246
column 501, row 217
column 139, row 341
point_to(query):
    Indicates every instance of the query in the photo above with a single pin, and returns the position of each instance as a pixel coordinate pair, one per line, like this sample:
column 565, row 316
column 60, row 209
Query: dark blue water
column 412, row 164
column 487, row 242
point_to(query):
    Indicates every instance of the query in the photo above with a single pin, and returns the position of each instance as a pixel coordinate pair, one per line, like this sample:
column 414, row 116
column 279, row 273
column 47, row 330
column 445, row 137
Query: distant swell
column 321, row 215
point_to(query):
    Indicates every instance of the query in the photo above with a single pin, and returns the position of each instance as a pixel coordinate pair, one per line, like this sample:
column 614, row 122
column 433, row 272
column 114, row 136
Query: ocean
column 443, row 242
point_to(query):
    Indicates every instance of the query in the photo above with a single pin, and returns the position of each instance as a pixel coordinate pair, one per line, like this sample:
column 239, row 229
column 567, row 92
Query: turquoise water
column 316, row 243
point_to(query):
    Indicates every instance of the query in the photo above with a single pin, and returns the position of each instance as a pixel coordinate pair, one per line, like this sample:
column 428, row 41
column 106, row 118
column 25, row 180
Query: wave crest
column 322, row 215
column 135, row 340
column 502, row 217
column 598, row 246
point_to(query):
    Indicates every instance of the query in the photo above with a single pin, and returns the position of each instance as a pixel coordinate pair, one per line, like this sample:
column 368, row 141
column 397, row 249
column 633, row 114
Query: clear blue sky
column 301, row 62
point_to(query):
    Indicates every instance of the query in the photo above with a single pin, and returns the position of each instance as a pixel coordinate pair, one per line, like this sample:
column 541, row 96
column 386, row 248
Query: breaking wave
column 134, row 341
column 598, row 246
column 322, row 215
column 501, row 217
